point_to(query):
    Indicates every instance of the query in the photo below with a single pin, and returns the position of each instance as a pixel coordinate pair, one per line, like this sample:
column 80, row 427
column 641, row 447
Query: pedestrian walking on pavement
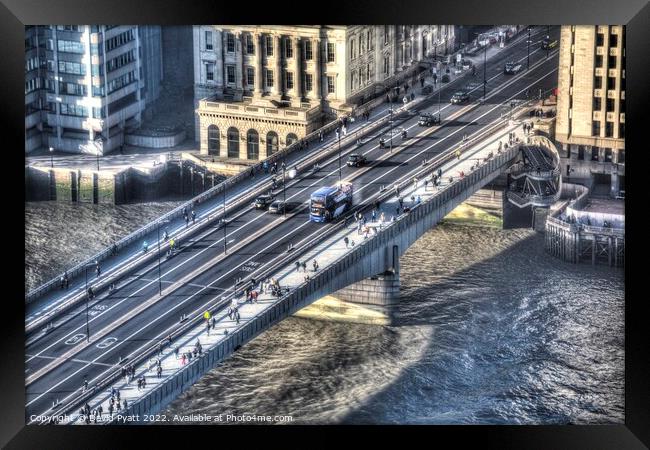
column 315, row 264
column 193, row 217
column 304, row 266
column 297, row 266
column 187, row 221
column 347, row 241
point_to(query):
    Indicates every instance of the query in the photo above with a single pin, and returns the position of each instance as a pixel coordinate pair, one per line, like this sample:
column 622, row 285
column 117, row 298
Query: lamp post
column 548, row 38
column 528, row 57
column 159, row 277
column 52, row 157
column 390, row 128
column 292, row 174
column 339, row 136
column 484, row 66
column 87, row 298
column 225, row 234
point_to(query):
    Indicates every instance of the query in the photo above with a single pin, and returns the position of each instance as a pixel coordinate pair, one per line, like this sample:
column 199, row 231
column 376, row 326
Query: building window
column 271, row 143
column 209, row 72
column 208, row 40
column 288, row 48
column 611, row 62
column 600, row 39
column 621, row 153
column 594, row 153
column 610, row 105
column 269, row 78
column 361, row 49
column 597, row 103
column 613, row 40
column 386, row 32
column 70, row 47
column 581, row 152
column 621, row 134
column 250, row 48
column 252, row 145
column 595, row 128
column 289, row 79
column 250, row 76
column 330, row 85
column 598, row 83
column 609, row 129
column 352, row 56
column 330, row 52
column 309, row 78
column 231, row 73
column 308, row 53
column 599, row 60
column 291, row 138
column 611, row 83
column 386, row 64
column 233, row 142
column 213, row 140
column 608, row 155
column 369, row 47
column 230, row 43
column 73, row 110
column 269, row 45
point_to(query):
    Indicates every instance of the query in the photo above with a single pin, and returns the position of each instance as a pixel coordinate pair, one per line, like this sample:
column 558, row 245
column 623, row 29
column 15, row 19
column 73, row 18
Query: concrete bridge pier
column 368, row 301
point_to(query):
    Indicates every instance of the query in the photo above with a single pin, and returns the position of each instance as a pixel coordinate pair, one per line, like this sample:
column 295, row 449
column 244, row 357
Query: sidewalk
column 53, row 299
column 325, row 254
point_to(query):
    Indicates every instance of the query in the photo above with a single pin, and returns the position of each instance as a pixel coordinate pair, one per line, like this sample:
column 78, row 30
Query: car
column 548, row 43
column 428, row 119
column 356, row 160
column 445, row 78
column 428, row 89
column 512, row 68
column 263, row 201
column 460, row 97
column 277, row 207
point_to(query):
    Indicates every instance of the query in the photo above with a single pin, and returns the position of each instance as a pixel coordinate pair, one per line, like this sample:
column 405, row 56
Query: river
column 489, row 330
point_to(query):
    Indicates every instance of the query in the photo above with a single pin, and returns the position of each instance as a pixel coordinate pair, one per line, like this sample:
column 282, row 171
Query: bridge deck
column 325, row 253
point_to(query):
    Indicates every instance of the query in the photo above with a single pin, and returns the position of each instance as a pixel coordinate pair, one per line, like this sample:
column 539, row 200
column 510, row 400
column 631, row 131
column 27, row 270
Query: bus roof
column 325, row 191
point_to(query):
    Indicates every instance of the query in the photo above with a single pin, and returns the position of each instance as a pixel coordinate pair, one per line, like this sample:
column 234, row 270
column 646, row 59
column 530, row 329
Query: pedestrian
column 381, row 218
column 421, row 82
column 187, row 221
column 297, row 266
column 158, row 372
column 439, row 173
column 237, row 316
column 458, row 154
column 252, row 173
column 315, row 265
column 193, row 217
column 214, row 322
column 347, row 241
column 412, row 96
column 183, row 360
column 176, row 352
column 265, row 166
column 374, row 215
column 304, row 266
column 98, row 270
column 401, row 202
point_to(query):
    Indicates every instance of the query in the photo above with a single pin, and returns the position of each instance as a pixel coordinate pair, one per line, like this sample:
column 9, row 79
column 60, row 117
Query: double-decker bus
column 328, row 203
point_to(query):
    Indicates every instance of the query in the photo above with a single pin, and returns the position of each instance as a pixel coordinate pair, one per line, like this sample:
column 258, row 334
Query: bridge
column 83, row 352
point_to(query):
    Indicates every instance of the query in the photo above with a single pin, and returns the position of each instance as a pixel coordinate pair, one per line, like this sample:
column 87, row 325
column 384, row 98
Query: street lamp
column 390, row 128
column 52, row 157
column 225, row 233
column 548, row 38
column 292, row 174
column 528, row 57
column 484, row 66
column 339, row 136
column 87, row 298
column 159, row 277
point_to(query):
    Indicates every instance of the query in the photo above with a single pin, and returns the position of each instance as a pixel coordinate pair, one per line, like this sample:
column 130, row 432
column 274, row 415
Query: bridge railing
column 212, row 192
column 446, row 193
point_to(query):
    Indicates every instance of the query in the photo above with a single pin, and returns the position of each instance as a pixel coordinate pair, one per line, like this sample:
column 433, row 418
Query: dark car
column 356, row 160
column 277, row 207
column 460, row 97
column 263, row 201
column 512, row 68
column 428, row 119
column 548, row 43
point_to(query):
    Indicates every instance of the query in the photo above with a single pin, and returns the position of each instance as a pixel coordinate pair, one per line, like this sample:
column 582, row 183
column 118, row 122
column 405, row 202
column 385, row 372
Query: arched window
column 252, row 144
column 291, row 138
column 271, row 143
column 213, row 140
column 233, row 142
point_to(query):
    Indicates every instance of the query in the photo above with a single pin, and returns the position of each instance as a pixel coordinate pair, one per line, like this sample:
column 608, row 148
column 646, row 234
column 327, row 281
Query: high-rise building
column 259, row 88
column 591, row 106
column 86, row 85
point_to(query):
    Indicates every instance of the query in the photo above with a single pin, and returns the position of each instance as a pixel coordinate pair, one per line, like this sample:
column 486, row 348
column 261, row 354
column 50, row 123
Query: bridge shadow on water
column 495, row 343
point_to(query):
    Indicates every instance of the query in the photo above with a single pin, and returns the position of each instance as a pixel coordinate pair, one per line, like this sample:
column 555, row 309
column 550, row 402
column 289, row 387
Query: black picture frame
column 635, row 14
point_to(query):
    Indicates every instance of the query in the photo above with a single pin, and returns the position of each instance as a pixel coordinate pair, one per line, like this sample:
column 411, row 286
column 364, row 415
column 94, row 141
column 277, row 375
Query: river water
column 489, row 330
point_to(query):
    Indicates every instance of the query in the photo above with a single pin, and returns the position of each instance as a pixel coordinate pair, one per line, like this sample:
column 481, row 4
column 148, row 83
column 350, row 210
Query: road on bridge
column 58, row 364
